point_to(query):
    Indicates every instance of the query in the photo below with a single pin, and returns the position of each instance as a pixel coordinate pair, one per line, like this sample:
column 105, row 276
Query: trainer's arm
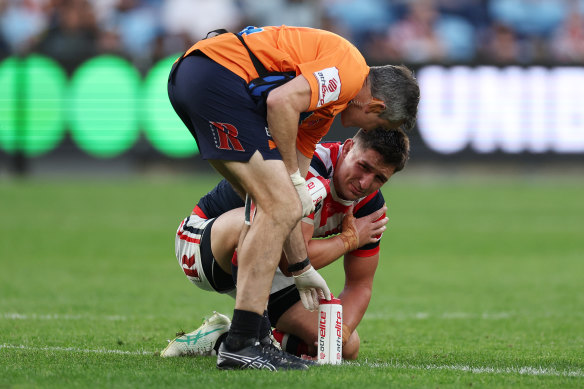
column 285, row 103
column 317, row 250
column 355, row 297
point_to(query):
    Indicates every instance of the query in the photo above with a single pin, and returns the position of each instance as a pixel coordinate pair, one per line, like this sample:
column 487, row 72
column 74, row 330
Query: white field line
column 442, row 316
column 75, row 350
column 467, row 315
column 521, row 370
column 398, row 316
column 58, row 316
column 368, row 316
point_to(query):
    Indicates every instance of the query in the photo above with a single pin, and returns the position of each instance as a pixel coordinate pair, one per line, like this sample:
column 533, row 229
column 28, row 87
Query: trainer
column 262, row 143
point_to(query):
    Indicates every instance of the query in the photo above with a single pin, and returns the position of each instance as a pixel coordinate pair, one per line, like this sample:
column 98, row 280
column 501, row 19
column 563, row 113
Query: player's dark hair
column 392, row 145
column 399, row 90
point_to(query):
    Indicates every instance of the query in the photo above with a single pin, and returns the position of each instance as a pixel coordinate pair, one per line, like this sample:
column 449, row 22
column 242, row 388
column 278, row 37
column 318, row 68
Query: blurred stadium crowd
column 386, row 31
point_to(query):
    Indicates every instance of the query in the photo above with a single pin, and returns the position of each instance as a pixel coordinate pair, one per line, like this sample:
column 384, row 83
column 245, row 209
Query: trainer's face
column 360, row 172
column 361, row 117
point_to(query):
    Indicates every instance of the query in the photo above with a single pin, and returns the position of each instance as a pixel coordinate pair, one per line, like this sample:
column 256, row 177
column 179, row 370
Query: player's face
column 360, row 173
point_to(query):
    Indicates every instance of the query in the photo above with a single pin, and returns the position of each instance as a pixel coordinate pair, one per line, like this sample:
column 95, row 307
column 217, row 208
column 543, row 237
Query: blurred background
column 83, row 82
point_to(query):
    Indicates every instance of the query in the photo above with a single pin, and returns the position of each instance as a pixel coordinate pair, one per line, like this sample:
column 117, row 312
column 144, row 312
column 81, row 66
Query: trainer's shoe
column 271, row 345
column 270, row 340
column 201, row 341
column 255, row 357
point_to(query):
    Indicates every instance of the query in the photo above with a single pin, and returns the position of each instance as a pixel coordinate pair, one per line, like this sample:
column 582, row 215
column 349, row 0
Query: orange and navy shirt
column 334, row 68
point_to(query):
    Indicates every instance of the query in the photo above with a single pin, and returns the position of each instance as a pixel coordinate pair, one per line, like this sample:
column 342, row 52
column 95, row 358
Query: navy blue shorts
column 215, row 105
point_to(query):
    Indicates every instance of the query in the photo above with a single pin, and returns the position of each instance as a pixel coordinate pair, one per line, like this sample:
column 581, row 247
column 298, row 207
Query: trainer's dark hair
column 392, row 145
column 399, row 90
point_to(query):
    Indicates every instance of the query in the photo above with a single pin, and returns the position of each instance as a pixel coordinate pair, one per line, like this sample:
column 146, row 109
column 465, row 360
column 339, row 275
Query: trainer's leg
column 278, row 211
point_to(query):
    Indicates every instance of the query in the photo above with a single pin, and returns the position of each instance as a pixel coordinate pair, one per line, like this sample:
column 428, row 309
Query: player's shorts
column 194, row 255
column 282, row 296
column 216, row 106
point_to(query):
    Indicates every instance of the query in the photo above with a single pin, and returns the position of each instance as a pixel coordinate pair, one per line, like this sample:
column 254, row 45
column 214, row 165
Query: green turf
column 480, row 284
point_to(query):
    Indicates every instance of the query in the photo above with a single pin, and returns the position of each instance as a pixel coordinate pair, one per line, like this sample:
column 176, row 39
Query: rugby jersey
column 221, row 199
column 334, row 68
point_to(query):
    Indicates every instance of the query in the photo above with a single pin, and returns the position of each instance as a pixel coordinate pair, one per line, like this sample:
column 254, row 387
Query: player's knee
column 351, row 349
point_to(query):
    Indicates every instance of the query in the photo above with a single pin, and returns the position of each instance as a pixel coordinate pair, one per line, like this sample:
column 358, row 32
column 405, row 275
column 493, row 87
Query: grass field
column 481, row 283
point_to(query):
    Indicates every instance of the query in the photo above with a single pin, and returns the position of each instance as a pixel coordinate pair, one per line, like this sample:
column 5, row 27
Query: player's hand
column 349, row 233
column 305, row 199
column 346, row 334
column 371, row 227
column 312, row 287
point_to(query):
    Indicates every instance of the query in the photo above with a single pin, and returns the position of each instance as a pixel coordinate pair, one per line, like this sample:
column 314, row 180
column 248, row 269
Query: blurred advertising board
column 105, row 106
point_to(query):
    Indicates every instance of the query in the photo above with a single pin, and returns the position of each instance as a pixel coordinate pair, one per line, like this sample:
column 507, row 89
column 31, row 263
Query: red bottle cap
column 331, row 301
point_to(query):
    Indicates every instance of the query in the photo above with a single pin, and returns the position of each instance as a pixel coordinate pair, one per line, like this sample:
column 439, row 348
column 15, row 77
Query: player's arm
column 355, row 297
column 357, row 232
column 322, row 252
column 359, row 271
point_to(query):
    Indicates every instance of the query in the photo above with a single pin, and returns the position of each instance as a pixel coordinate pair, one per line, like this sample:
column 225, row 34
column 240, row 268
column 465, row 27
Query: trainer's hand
column 311, row 287
column 305, row 198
